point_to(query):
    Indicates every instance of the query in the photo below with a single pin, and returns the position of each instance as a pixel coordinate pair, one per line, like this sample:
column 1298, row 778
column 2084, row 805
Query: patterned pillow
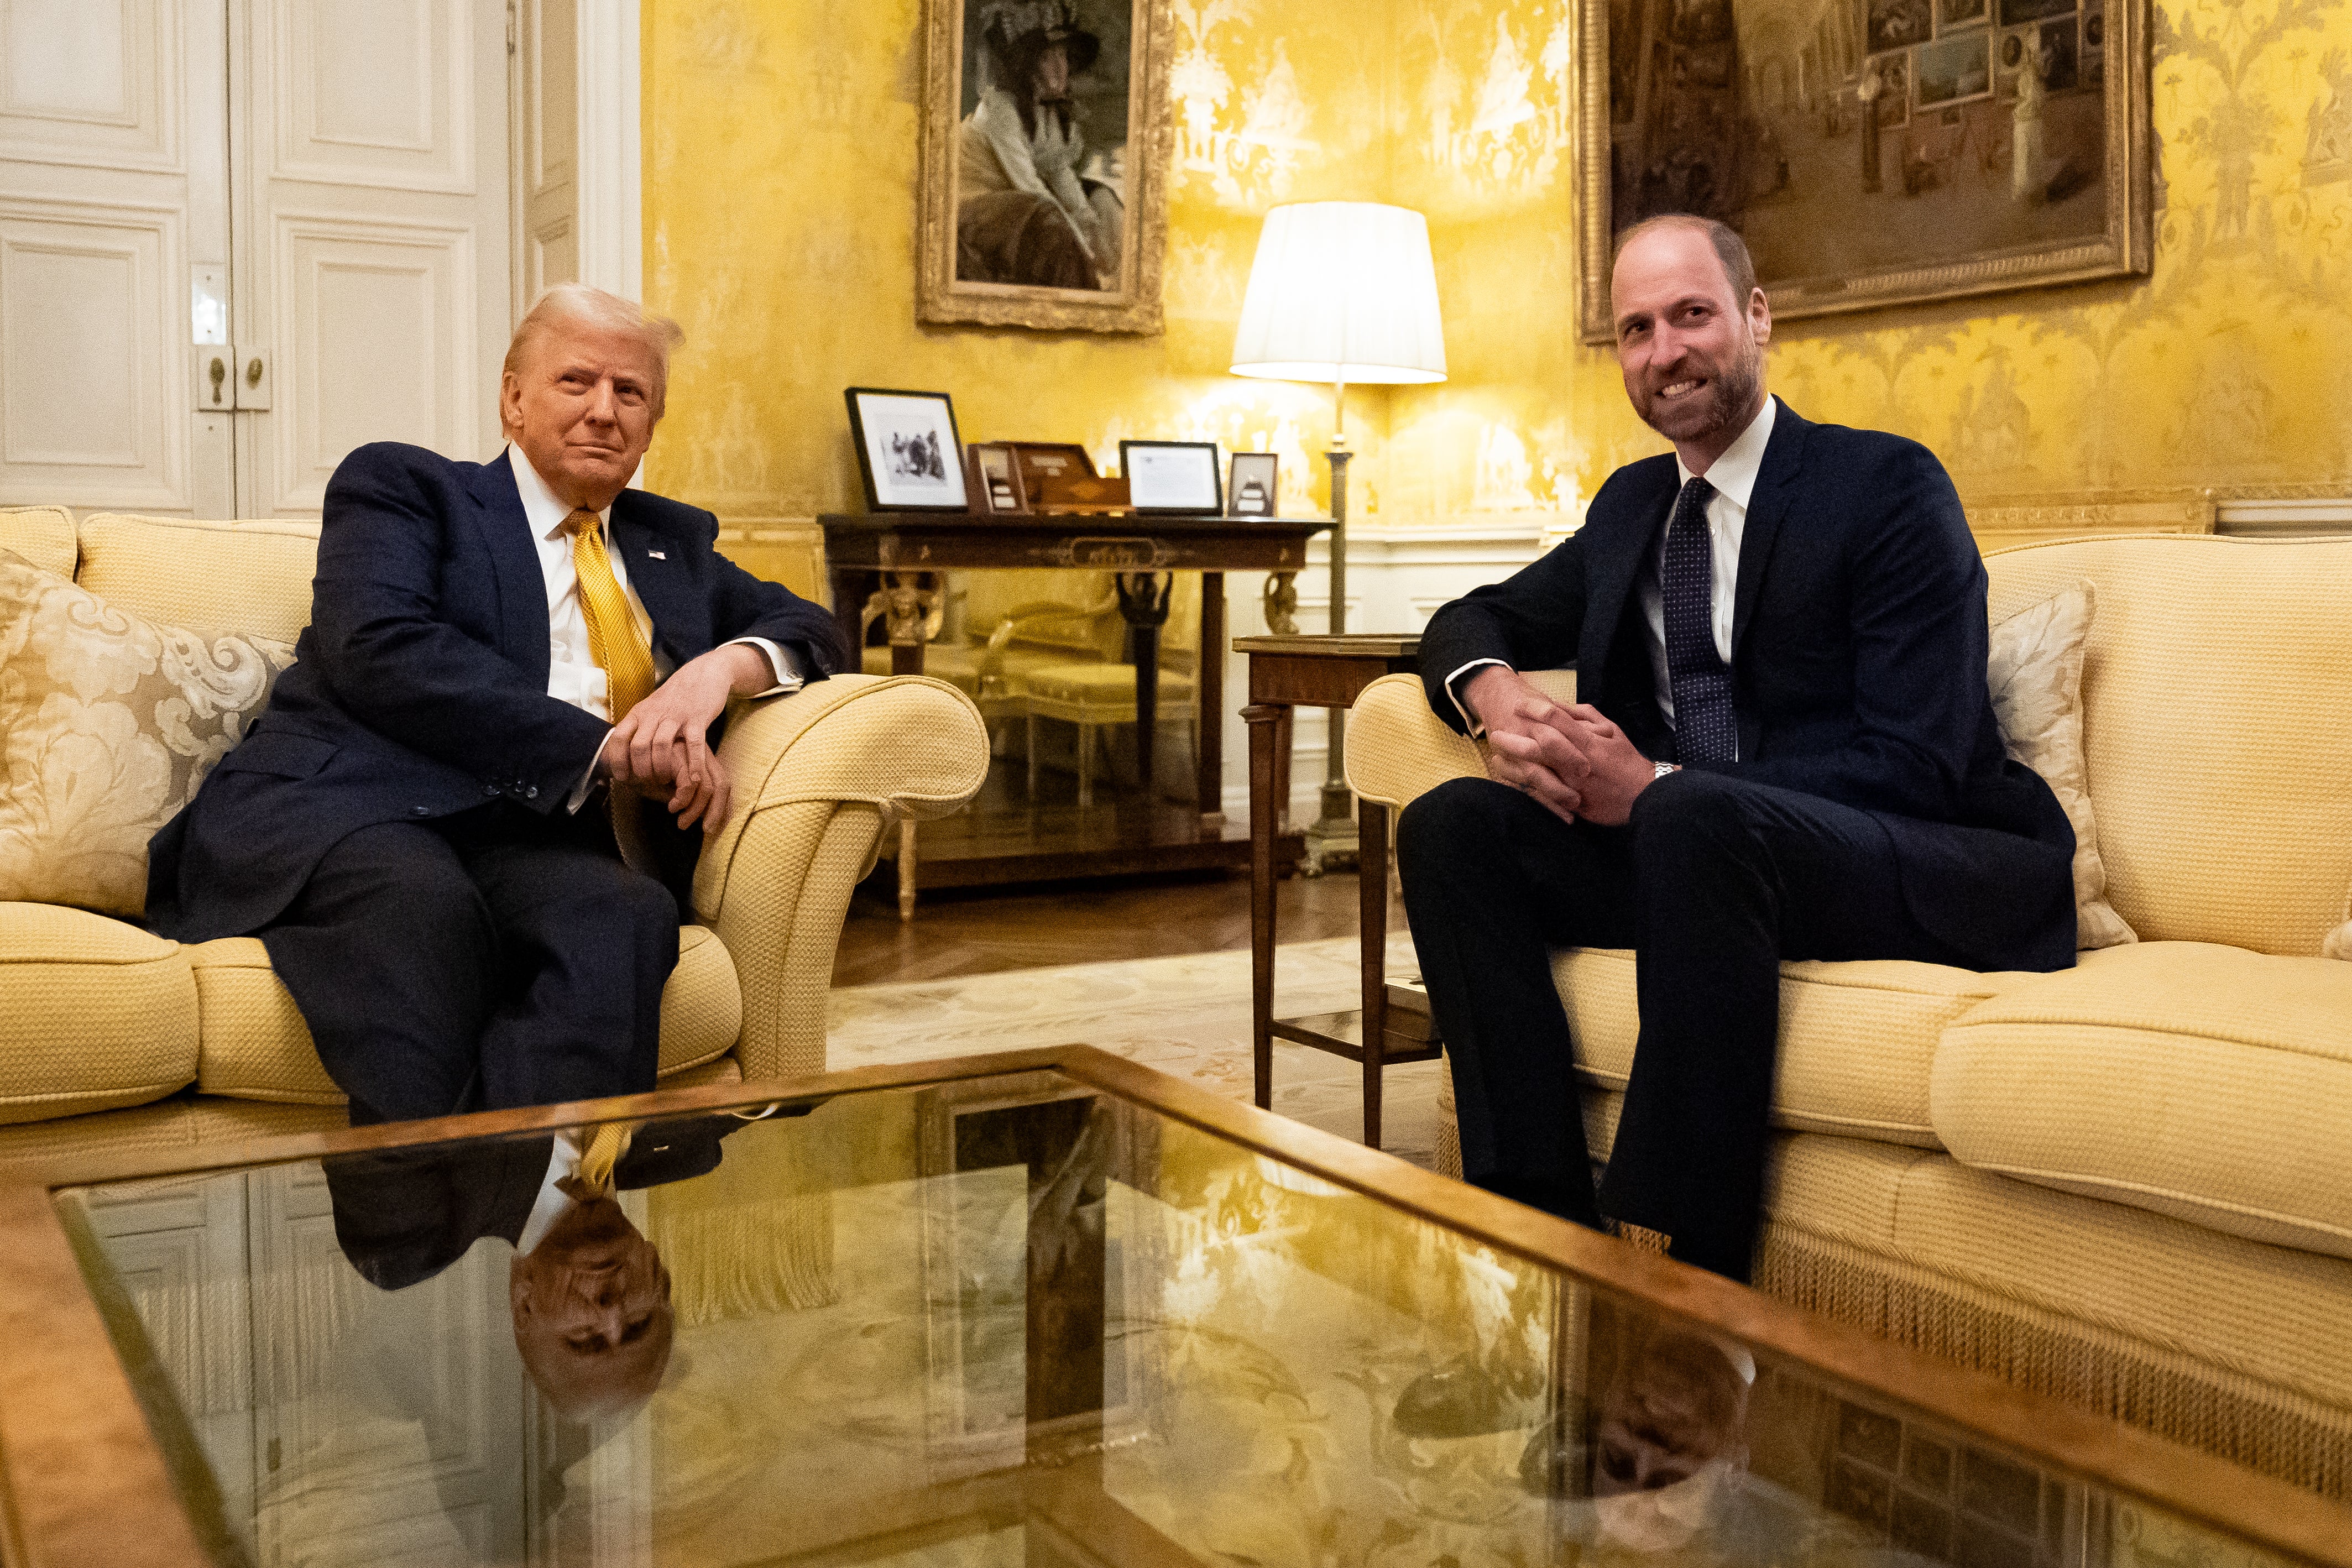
column 2036, row 675
column 107, row 723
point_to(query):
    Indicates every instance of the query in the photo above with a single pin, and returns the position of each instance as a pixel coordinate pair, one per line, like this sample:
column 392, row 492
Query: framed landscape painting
column 1044, row 183
column 1872, row 153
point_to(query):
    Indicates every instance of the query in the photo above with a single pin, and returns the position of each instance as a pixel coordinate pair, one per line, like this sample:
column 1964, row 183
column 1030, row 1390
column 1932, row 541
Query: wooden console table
column 900, row 547
column 1320, row 672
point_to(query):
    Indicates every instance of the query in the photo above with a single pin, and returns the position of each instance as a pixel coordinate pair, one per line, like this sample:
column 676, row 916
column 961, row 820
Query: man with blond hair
column 464, row 827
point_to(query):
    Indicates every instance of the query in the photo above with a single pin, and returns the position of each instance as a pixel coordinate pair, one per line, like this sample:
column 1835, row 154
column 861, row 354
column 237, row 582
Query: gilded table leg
column 911, row 611
column 1209, row 683
column 1260, row 719
column 1372, row 925
column 1143, row 599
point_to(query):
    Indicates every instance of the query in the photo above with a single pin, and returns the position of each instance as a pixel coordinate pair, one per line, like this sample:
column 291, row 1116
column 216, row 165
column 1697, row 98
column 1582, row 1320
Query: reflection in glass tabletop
column 1006, row 1317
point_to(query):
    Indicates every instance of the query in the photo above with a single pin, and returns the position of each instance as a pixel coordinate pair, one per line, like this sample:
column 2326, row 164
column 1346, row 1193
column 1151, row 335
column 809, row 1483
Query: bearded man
column 1783, row 748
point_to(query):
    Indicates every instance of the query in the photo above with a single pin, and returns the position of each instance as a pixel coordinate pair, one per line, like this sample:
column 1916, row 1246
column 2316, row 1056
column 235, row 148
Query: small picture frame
column 1172, row 476
column 1253, row 491
column 907, row 450
column 996, row 479
column 1044, row 464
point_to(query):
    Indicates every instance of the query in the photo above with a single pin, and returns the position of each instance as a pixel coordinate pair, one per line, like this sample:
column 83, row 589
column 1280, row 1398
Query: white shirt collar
column 1733, row 475
column 540, row 508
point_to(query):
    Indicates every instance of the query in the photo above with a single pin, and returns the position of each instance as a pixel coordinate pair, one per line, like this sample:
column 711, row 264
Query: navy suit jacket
column 402, row 1216
column 1858, row 647
column 419, row 689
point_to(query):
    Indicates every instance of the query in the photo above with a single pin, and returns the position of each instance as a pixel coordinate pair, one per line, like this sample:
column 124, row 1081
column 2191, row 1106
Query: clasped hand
column 1569, row 758
column 662, row 745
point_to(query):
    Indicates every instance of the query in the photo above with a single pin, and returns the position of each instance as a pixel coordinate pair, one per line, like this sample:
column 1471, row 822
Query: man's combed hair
column 1729, row 249
column 563, row 302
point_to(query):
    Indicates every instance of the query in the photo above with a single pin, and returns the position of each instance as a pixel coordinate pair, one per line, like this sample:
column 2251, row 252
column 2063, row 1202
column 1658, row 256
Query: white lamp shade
column 1342, row 291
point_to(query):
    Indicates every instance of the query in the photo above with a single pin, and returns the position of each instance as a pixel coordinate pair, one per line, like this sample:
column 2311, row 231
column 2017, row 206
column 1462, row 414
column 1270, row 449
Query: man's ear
column 509, row 403
column 1760, row 315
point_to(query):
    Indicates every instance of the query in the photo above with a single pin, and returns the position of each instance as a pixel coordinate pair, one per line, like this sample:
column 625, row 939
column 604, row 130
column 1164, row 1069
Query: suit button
column 489, row 789
column 530, row 793
column 420, row 811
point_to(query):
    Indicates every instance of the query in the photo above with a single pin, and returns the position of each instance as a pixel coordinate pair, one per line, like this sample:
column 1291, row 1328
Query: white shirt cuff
column 561, row 1161
column 1470, row 724
column 779, row 663
column 580, row 790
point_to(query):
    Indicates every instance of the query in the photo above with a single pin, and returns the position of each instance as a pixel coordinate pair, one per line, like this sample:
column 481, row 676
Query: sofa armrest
column 818, row 776
column 1397, row 750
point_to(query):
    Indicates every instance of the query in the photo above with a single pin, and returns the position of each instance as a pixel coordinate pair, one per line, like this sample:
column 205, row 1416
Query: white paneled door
column 240, row 238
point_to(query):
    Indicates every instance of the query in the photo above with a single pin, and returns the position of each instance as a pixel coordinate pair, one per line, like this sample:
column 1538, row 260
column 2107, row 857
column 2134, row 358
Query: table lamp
column 1340, row 291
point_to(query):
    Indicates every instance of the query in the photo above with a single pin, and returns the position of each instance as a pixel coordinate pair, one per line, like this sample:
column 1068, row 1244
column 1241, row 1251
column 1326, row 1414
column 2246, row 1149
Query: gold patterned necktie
column 603, row 1154
column 620, row 650
column 615, row 641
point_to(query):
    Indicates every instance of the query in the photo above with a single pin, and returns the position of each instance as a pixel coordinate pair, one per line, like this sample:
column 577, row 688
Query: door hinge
column 514, row 28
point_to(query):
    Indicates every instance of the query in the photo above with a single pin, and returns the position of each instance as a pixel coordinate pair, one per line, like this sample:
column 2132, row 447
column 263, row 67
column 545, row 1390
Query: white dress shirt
column 552, row 1200
column 572, row 673
column 1733, row 475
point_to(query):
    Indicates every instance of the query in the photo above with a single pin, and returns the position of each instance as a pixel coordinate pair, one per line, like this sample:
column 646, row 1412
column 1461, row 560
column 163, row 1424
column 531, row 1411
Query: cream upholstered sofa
column 2128, row 1183
column 98, row 1015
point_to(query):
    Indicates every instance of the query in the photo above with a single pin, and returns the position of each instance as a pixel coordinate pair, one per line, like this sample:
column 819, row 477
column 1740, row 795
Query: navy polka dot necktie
column 1701, row 681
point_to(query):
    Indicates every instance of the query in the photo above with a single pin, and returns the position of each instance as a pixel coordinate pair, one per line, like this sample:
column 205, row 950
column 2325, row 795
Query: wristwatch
column 1663, row 769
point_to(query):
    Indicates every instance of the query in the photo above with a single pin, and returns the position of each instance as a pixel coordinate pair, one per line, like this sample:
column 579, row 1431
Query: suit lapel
column 514, row 563
column 1615, row 557
column 1767, row 504
column 660, row 580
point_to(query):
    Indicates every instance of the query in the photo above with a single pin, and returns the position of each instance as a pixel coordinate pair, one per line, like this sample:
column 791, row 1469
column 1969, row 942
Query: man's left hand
column 679, row 713
column 1581, row 742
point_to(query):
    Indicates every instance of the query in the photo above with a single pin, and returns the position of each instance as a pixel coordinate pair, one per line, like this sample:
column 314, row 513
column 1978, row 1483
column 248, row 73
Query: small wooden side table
column 1326, row 671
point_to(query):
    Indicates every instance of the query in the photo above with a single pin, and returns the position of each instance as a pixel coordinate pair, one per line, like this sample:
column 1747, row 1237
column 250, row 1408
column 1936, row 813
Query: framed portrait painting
column 1044, row 182
column 1872, row 153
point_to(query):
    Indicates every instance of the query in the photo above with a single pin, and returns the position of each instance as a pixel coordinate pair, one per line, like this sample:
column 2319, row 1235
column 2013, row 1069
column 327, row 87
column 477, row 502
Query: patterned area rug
column 1189, row 1016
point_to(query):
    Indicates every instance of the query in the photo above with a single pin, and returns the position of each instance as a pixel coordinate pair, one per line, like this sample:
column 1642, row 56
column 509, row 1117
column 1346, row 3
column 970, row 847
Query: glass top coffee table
column 1044, row 1308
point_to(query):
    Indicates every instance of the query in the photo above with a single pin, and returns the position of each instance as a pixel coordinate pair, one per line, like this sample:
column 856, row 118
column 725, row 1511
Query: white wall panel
column 377, row 343
column 374, row 93
column 88, row 357
column 91, row 82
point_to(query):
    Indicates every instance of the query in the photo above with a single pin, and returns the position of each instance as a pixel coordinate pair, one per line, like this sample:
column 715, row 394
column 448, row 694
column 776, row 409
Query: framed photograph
column 1953, row 70
column 1045, row 466
column 1926, row 150
column 1253, row 491
column 1042, row 199
column 1172, row 476
column 907, row 452
column 996, row 479
column 1895, row 24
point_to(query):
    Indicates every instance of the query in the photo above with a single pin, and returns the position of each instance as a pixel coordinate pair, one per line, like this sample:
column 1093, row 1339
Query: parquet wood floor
column 986, row 931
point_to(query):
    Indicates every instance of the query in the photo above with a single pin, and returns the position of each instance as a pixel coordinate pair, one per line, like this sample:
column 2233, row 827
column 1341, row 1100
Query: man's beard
column 1730, row 394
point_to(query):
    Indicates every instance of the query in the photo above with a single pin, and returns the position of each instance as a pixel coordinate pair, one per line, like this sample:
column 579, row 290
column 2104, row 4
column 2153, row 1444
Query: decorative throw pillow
column 2338, row 943
column 2035, row 671
column 107, row 723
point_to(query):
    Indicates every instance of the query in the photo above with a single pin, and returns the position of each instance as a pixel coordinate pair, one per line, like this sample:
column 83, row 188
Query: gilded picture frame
column 1872, row 153
column 1042, row 197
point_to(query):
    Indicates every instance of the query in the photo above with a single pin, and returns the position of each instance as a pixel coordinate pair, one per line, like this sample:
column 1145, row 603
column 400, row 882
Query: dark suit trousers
column 1712, row 883
column 491, row 959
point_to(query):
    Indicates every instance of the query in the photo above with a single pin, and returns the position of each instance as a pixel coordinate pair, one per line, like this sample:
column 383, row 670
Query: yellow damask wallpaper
column 781, row 152
column 779, row 198
column 2226, row 368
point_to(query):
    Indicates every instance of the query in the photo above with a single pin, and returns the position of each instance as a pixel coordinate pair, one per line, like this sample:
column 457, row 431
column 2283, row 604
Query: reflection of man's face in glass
column 591, row 1312
column 1674, row 1420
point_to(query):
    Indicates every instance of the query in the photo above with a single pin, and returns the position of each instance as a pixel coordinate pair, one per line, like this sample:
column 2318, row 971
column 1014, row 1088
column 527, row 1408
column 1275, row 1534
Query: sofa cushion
column 43, row 535
column 2212, row 676
column 99, row 1014
column 2035, row 672
column 256, row 1046
column 254, row 576
column 2192, row 1079
column 107, row 723
column 1857, row 1040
